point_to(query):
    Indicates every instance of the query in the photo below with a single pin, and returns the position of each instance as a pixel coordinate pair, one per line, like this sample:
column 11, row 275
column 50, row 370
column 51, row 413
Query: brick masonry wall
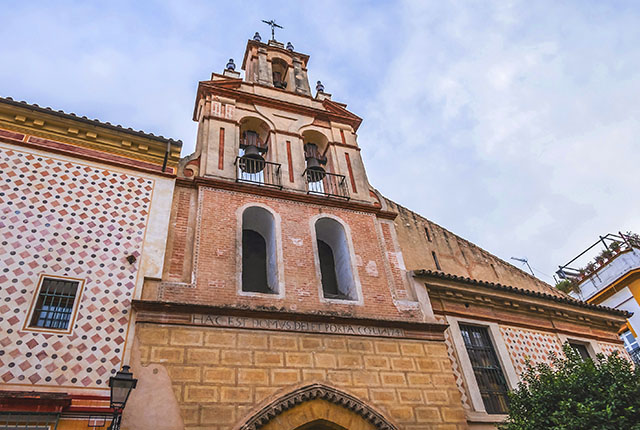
column 455, row 255
column 220, row 375
column 180, row 233
column 216, row 259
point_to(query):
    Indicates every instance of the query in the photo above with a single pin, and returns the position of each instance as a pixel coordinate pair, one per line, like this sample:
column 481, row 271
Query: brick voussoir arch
column 269, row 411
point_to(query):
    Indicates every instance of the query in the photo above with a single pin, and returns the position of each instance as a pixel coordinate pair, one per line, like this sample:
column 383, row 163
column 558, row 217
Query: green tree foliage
column 576, row 394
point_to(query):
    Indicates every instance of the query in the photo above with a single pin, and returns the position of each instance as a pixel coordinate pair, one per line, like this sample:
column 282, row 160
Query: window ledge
column 340, row 301
column 273, row 295
column 483, row 417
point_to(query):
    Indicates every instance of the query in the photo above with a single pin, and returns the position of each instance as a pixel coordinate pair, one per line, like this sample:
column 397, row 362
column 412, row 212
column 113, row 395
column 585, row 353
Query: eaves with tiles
column 33, row 126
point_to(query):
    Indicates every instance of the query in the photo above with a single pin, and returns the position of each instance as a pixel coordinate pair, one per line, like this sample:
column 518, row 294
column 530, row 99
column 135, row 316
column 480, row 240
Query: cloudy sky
column 513, row 124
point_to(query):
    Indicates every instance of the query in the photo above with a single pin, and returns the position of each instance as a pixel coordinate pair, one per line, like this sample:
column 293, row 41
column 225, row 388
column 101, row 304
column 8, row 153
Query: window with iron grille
column 486, row 368
column 580, row 349
column 55, row 304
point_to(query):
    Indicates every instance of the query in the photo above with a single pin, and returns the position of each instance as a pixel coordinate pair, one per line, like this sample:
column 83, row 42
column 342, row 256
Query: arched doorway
column 315, row 407
column 321, row 425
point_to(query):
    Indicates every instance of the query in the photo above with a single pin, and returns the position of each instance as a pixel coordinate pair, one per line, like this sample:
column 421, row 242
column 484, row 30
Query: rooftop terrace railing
column 611, row 245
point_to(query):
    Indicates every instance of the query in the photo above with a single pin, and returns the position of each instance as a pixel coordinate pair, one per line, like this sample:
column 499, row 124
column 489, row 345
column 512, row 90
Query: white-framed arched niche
column 252, row 126
column 260, row 264
column 335, row 260
column 315, row 145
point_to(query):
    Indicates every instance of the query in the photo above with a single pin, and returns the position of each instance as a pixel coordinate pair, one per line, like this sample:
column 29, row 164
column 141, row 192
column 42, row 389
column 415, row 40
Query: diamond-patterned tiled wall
column 70, row 219
column 455, row 366
column 535, row 346
column 610, row 348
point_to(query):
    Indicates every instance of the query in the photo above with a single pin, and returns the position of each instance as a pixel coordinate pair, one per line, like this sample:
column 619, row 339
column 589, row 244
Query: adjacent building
column 610, row 278
column 498, row 317
column 83, row 221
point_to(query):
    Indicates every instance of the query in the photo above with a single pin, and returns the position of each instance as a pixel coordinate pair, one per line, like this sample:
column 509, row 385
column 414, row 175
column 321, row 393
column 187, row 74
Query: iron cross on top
column 273, row 25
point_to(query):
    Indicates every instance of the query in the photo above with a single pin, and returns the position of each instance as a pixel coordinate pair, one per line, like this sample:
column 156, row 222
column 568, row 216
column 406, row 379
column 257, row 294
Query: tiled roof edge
column 86, row 120
column 497, row 286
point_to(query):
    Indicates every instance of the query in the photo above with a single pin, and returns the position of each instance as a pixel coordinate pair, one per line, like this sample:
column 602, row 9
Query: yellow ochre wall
column 219, row 375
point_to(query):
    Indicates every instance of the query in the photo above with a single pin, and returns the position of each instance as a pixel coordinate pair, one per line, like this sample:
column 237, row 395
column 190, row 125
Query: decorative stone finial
column 289, row 46
column 231, row 65
column 257, row 37
column 320, row 87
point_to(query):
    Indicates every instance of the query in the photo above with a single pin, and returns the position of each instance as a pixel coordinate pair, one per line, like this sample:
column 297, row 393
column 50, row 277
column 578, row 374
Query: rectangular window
column 55, row 304
column 631, row 345
column 580, row 349
column 486, row 368
column 630, row 342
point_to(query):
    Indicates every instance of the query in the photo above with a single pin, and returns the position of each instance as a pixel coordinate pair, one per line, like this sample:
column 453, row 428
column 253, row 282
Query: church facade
column 272, row 287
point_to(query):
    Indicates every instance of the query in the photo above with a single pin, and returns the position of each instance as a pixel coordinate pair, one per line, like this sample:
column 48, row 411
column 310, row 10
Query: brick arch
column 312, row 403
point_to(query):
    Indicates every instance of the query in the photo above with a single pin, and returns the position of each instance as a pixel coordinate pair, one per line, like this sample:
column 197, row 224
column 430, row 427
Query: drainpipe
column 166, row 156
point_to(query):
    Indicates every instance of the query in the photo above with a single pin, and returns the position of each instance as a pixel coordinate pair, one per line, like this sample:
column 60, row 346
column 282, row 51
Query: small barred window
column 55, row 304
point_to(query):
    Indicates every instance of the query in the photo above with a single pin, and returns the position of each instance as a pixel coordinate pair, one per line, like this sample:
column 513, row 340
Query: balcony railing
column 259, row 172
column 326, row 184
column 610, row 247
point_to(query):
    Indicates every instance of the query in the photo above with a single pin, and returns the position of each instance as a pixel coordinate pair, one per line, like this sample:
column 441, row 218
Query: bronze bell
column 315, row 171
column 252, row 160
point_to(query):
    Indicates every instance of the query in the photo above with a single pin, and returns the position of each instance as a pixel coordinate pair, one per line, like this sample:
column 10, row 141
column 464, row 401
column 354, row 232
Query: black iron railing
column 326, row 184
column 611, row 245
column 257, row 171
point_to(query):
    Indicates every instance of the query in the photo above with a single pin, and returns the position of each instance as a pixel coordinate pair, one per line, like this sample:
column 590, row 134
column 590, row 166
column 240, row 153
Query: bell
column 252, row 160
column 315, row 171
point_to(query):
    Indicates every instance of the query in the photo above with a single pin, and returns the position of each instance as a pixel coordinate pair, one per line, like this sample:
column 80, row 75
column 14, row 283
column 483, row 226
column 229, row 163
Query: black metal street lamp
column 121, row 386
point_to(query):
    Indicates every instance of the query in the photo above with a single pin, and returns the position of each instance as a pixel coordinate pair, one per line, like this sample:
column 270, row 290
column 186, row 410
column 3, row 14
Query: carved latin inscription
column 297, row 326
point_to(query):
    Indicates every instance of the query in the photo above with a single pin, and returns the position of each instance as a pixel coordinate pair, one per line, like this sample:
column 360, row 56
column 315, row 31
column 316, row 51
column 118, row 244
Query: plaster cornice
column 34, row 125
column 542, row 298
column 176, row 309
column 231, row 88
column 203, row 181
column 88, row 121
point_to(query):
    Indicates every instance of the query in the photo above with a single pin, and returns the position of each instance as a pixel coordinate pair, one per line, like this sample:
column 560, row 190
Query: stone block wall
column 219, row 375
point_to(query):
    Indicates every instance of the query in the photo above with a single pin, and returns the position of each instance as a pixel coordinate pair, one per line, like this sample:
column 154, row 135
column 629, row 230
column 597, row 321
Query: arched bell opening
column 315, row 146
column 334, row 259
column 279, row 69
column 259, row 251
column 253, row 148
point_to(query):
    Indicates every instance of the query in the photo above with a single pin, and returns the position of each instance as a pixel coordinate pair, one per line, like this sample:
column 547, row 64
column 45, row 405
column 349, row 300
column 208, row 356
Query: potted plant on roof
column 615, row 247
column 599, row 260
column 591, row 267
